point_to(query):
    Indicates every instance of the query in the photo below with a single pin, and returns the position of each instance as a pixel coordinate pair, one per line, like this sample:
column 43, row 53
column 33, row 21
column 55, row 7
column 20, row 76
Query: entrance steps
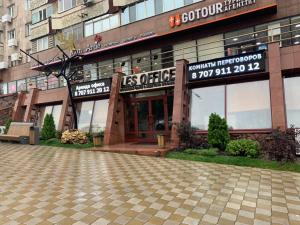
column 135, row 149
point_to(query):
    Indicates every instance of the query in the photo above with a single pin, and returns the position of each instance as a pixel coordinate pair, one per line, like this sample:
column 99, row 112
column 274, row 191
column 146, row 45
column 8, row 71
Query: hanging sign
column 97, row 87
column 227, row 67
column 149, row 80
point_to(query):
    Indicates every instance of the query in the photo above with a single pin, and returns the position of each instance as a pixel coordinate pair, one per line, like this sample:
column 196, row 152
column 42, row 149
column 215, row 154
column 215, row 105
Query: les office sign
column 149, row 80
column 208, row 11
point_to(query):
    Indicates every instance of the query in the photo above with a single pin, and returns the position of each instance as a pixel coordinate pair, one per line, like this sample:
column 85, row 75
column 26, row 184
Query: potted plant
column 98, row 138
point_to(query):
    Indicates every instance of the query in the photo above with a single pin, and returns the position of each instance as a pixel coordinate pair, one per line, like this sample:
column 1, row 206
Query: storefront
column 148, row 99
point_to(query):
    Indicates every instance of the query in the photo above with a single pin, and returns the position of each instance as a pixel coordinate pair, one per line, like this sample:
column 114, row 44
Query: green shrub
column 243, row 147
column 218, row 134
column 7, row 125
column 48, row 130
column 192, row 151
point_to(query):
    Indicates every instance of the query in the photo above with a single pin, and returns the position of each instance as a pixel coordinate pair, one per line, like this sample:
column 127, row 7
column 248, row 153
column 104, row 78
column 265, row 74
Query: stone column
column 115, row 123
column 64, row 110
column 16, row 115
column 31, row 100
column 180, row 106
column 276, row 87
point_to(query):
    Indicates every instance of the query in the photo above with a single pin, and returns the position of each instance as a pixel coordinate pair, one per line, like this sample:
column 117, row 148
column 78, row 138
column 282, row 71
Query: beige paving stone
column 44, row 185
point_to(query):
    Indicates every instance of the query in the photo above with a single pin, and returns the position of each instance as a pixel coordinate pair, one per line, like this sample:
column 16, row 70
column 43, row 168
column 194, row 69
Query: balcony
column 3, row 65
column 12, row 43
column 6, row 18
column 16, row 57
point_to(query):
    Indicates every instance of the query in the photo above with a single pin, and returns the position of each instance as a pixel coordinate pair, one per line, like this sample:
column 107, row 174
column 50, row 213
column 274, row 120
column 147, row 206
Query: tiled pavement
column 43, row 185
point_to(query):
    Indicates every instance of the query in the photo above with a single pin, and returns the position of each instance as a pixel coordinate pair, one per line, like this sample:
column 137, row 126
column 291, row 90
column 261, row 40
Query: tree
column 48, row 130
column 218, row 134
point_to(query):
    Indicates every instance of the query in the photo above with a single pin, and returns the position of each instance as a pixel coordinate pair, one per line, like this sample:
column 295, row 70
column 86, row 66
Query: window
column 186, row 50
column 101, row 24
column 248, row 105
column 74, row 32
column 42, row 44
column 3, row 88
column 64, row 5
column 241, row 41
column 11, row 34
column 11, row 10
column 21, row 85
column 90, row 72
column 295, row 27
column 41, row 14
column 54, row 110
column 27, row 4
column 105, row 69
column 292, row 94
column 205, row 101
column 53, row 82
column 27, row 30
column 141, row 62
column 12, row 87
column 123, row 65
column 92, row 115
column 210, row 47
column 41, row 82
column 244, row 105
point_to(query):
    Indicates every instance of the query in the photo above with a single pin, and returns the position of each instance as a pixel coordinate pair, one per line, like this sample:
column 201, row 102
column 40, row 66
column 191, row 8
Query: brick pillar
column 180, row 106
column 16, row 115
column 276, row 87
column 31, row 99
column 64, row 110
column 115, row 123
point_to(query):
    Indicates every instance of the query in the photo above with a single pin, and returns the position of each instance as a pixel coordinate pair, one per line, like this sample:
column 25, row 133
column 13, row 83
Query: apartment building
column 149, row 65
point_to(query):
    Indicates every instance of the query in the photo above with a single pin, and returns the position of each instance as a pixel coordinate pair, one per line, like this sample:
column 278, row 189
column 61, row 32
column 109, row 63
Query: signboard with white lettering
column 226, row 67
column 149, row 80
column 97, row 87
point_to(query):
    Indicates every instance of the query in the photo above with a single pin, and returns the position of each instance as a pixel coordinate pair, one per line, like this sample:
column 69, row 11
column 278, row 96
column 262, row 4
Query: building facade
column 149, row 65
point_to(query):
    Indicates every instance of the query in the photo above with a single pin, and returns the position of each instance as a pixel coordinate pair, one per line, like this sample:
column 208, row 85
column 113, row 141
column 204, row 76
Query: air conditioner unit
column 12, row 42
column 3, row 65
column 6, row 18
column 16, row 57
column 88, row 2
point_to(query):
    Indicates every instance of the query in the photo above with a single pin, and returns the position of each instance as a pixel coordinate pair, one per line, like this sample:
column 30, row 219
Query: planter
column 161, row 140
column 98, row 141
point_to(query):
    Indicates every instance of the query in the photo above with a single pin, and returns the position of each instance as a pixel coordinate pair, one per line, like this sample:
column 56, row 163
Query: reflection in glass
column 143, row 113
column 248, row 105
column 205, row 101
column 158, row 115
column 85, row 111
column 99, row 115
column 292, row 96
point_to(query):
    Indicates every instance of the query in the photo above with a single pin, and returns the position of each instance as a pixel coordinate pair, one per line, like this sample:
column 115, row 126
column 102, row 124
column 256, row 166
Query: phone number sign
column 228, row 66
column 91, row 88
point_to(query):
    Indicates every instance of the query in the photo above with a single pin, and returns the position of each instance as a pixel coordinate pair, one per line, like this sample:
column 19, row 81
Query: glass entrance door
column 147, row 117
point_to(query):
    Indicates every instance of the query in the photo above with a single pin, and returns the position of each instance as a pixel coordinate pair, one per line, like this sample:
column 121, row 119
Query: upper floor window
column 42, row 14
column 27, row 30
column 42, row 44
column 27, row 4
column 11, row 34
column 11, row 10
column 64, row 5
column 101, row 24
column 75, row 32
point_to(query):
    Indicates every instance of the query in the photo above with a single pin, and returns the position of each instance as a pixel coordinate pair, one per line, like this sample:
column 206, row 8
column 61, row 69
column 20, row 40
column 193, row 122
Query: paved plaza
column 44, row 185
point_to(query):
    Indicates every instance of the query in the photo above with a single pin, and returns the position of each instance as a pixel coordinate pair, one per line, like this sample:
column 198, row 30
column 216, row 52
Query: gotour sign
column 148, row 80
column 91, row 88
column 226, row 67
column 209, row 10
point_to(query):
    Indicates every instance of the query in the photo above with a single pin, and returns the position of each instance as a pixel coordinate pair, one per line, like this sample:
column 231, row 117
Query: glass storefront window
column 92, row 115
column 210, row 47
column 53, row 82
column 54, row 110
column 3, row 89
column 248, row 105
column 205, row 101
column 141, row 62
column 41, row 82
column 21, row 85
column 105, row 69
column 292, row 96
column 123, row 65
column 12, row 87
column 99, row 115
column 241, row 41
column 85, row 112
column 295, row 27
column 186, row 50
column 90, row 72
